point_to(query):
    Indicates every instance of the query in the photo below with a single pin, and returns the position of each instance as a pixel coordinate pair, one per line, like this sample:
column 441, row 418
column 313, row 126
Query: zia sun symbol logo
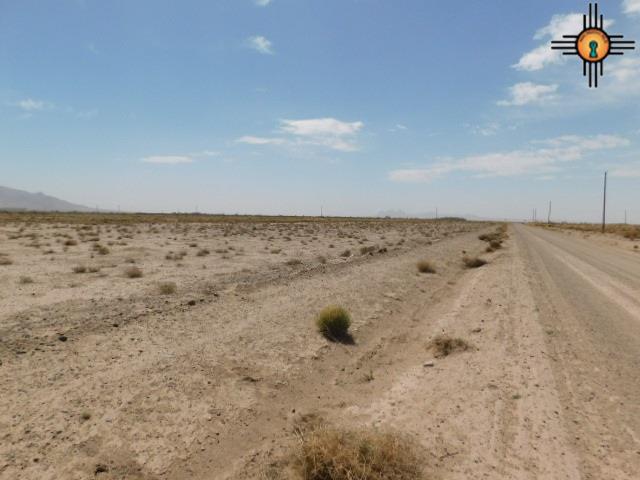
column 593, row 45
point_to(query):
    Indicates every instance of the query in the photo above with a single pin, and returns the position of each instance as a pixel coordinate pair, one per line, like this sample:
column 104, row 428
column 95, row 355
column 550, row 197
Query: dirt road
column 202, row 386
column 588, row 295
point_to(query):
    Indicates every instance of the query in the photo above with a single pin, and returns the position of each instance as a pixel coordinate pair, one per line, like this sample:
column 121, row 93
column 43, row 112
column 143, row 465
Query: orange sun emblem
column 593, row 45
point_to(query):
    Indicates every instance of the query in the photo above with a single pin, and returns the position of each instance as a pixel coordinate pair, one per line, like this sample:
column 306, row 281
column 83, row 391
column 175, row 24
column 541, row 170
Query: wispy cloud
column 180, row 159
column 398, row 127
column 32, row 105
column 87, row 114
column 206, row 153
column 625, row 74
column 251, row 140
column 485, row 130
column 262, row 3
column 540, row 158
column 323, row 132
column 631, row 7
column 528, row 93
column 168, row 159
column 542, row 56
column 260, row 44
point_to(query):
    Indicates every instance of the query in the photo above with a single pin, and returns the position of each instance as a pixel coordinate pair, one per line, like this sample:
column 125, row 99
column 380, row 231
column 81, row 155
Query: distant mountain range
column 403, row 214
column 12, row 199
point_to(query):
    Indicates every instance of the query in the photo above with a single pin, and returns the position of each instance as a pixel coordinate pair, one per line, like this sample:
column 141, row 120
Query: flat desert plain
column 186, row 348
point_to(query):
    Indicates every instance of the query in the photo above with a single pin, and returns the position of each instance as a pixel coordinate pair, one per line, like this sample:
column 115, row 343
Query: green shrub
column 333, row 322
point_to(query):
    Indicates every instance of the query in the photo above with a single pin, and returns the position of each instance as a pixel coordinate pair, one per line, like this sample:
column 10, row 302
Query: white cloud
column 624, row 74
column 251, row 140
column 321, row 127
column 321, row 132
column 31, row 105
column 542, row 56
column 545, row 158
column 528, row 93
column 631, row 7
column 207, row 153
column 167, row 159
column 328, row 132
column 262, row 3
column 538, row 58
column 260, row 44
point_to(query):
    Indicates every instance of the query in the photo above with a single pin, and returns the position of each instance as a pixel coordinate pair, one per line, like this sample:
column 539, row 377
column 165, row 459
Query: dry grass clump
column 473, row 262
column 79, row 269
column 346, row 253
column 334, row 322
column 167, row 288
column 367, row 250
column 332, row 454
column 444, row 345
column 424, row 266
column 203, row 252
column 495, row 239
column 293, row 262
column 631, row 232
column 101, row 249
column 132, row 272
column 5, row 260
column 175, row 256
column 24, row 280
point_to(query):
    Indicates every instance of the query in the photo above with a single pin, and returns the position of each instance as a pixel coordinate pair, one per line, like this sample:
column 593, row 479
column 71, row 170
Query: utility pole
column 625, row 217
column 321, row 212
column 604, row 203
column 436, row 213
column 549, row 216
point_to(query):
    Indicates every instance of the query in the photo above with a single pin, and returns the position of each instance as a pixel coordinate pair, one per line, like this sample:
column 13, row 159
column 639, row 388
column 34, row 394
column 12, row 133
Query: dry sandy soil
column 102, row 376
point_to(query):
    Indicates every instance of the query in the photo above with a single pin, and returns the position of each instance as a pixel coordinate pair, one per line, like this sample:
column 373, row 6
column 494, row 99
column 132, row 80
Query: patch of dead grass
column 424, row 266
column 473, row 262
column 444, row 345
column 328, row 453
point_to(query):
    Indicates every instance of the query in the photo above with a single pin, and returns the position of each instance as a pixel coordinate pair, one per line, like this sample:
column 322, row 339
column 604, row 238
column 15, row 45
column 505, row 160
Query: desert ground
column 168, row 348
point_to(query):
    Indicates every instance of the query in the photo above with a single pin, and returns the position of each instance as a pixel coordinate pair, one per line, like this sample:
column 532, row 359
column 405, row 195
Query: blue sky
column 283, row 106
